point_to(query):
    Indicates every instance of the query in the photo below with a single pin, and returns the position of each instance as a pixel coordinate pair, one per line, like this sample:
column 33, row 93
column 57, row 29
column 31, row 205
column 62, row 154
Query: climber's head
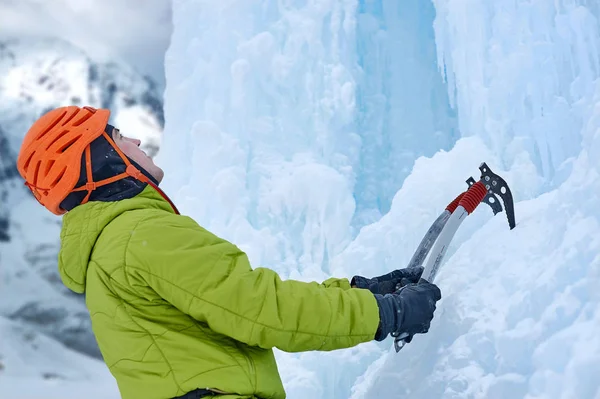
column 131, row 148
column 71, row 155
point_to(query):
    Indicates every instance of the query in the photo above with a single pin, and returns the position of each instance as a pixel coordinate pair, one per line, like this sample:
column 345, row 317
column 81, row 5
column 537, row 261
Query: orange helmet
column 51, row 154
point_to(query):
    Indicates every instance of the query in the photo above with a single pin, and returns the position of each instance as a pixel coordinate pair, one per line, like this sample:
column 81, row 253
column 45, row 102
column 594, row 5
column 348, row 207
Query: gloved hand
column 387, row 283
column 408, row 310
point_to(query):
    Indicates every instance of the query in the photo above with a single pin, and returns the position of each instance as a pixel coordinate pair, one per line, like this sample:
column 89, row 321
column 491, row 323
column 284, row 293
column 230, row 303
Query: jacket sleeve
column 333, row 282
column 211, row 280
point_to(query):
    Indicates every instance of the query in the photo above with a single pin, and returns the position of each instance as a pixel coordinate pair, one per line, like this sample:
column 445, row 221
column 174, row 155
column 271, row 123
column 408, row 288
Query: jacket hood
column 83, row 225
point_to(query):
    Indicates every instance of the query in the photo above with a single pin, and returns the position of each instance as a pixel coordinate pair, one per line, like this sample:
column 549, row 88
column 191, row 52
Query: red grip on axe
column 473, row 197
column 454, row 204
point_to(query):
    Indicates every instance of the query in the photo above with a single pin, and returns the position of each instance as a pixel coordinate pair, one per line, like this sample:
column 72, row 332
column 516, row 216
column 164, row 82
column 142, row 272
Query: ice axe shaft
column 433, row 233
column 437, row 254
column 466, row 206
column 442, row 231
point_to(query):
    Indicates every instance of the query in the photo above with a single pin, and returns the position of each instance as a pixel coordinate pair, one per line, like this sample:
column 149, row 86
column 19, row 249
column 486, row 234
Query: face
column 131, row 148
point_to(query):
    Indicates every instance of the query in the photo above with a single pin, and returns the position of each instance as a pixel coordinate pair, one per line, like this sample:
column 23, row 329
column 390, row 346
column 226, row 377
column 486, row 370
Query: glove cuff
column 387, row 316
column 360, row 282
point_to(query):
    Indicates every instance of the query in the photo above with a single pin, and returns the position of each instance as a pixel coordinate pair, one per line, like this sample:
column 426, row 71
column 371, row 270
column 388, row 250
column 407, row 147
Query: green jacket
column 175, row 308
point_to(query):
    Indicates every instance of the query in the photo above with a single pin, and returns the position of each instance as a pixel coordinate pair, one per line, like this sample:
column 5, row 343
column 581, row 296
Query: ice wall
column 520, row 314
column 521, row 75
column 290, row 125
column 293, row 126
column 402, row 111
column 275, row 100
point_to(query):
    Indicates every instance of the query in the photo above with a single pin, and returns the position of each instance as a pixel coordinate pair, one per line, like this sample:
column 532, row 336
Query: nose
column 137, row 142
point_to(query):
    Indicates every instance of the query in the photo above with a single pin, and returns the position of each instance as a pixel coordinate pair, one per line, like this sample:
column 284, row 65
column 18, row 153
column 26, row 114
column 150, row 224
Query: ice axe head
column 496, row 187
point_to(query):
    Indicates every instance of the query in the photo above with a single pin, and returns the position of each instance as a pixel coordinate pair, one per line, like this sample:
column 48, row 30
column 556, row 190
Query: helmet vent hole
column 28, row 161
column 51, row 126
column 35, row 173
column 49, row 165
column 60, row 175
column 58, row 137
column 70, row 117
column 68, row 144
column 83, row 118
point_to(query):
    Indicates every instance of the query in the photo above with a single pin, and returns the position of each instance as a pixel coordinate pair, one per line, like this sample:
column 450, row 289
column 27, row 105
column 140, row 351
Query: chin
column 158, row 175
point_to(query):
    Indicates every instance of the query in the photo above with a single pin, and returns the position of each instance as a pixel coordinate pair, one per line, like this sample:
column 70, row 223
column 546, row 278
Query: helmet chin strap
column 91, row 185
column 131, row 169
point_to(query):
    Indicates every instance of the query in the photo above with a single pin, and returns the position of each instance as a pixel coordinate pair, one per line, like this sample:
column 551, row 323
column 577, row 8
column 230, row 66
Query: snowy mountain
column 36, row 76
column 8, row 172
column 325, row 137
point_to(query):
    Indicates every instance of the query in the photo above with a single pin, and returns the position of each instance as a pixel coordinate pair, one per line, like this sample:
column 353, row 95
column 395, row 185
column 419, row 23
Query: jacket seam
column 235, row 359
column 242, row 350
column 134, row 360
column 330, row 319
column 154, row 335
column 126, row 265
column 194, row 323
column 149, row 346
column 238, row 315
column 143, row 219
column 209, row 371
column 172, row 372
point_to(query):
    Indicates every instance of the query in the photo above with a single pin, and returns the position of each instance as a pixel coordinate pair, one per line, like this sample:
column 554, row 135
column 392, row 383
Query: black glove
column 387, row 283
column 408, row 310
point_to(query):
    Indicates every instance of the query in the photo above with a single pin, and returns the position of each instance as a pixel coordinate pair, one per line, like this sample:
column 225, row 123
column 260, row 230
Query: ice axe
column 489, row 189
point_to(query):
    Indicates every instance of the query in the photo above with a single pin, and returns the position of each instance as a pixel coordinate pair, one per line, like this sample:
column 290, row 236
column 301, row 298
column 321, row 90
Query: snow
column 297, row 83
column 34, row 366
column 515, row 313
column 524, row 78
column 323, row 137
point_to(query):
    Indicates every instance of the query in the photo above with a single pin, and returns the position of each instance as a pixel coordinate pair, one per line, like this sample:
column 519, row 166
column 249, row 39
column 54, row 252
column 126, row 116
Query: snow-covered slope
column 35, row 366
column 521, row 313
column 324, row 137
column 35, row 76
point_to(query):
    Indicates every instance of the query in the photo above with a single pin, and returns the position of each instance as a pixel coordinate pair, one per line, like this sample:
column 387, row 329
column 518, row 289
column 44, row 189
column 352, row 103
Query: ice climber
column 176, row 310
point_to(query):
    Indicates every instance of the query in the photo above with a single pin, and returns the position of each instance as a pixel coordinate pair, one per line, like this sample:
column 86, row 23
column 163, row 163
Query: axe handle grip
column 473, row 197
column 454, row 204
